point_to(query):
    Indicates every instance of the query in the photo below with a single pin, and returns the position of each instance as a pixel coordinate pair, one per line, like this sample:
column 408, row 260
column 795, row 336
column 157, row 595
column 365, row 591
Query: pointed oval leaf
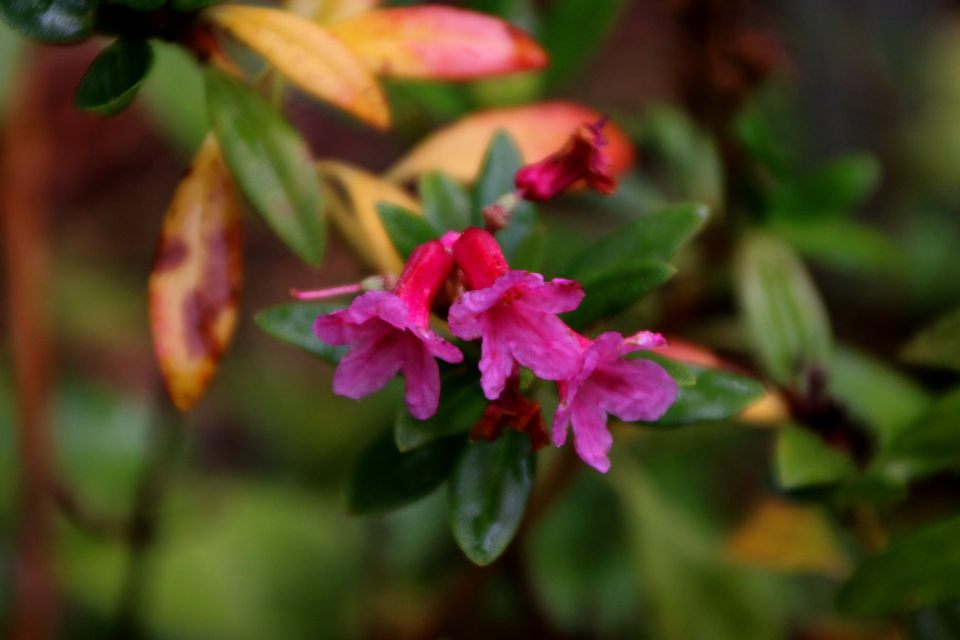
column 57, row 21
column 462, row 404
column 784, row 315
column 657, row 236
column 538, row 130
column 933, row 440
column 309, row 56
column 270, row 162
column 488, row 494
column 293, row 323
column 112, row 81
column 352, row 195
column 407, row 230
column 439, row 43
column 616, row 288
column 803, row 459
column 716, row 395
column 195, row 282
column 446, row 204
column 937, row 345
column 500, row 163
column 385, row 479
column 918, row 571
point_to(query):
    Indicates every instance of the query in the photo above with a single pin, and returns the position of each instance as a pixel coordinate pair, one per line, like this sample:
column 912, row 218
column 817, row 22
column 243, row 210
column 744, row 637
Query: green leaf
column 531, row 252
column 842, row 244
column 488, row 495
column 934, row 440
column 385, row 479
column 173, row 93
column 57, row 21
column 690, row 159
column 573, row 30
column 783, row 313
column 142, row 5
column 293, row 323
column 716, row 395
column 682, row 374
column 615, row 288
column 270, row 162
column 513, row 237
column 462, row 404
column 446, row 204
column 937, row 345
column 113, row 79
column 191, row 5
column 803, row 459
column 831, row 191
column 500, row 164
column 918, row 571
column 657, row 236
column 407, row 230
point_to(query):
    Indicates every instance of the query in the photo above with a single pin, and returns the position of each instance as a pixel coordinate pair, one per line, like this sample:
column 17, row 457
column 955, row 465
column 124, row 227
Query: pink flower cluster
column 514, row 315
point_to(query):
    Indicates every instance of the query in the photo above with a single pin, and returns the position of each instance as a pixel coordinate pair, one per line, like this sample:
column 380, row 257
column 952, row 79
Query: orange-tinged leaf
column 352, row 195
column 440, row 43
column 788, row 537
column 326, row 11
column 538, row 129
column 309, row 56
column 195, row 282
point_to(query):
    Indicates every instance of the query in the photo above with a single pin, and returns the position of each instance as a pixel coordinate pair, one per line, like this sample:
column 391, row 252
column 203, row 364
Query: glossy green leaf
column 270, row 162
column 803, row 459
column 573, row 30
column 657, row 236
column 831, row 191
column 385, row 479
column 495, row 179
column 407, row 230
column 842, row 244
column 293, row 323
column 446, row 204
column 682, row 374
column 615, row 288
column 933, row 441
column 937, row 345
column 784, row 316
column 489, row 489
column 716, row 395
column 113, row 79
column 918, row 571
column 462, row 404
column 174, row 95
column 57, row 21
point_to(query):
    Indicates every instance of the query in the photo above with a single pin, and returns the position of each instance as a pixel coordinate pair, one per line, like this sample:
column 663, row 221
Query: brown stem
column 25, row 166
column 155, row 478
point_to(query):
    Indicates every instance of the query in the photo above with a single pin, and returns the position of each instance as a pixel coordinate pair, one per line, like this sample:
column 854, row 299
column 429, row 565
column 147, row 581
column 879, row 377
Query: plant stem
column 25, row 165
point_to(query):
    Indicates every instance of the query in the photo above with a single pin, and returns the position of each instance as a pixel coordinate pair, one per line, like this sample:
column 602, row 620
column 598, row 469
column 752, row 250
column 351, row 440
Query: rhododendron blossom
column 389, row 332
column 514, row 313
column 581, row 158
column 608, row 383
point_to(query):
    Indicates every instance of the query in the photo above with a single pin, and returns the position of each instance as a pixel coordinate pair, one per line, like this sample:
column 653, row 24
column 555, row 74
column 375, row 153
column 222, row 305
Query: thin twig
column 25, row 167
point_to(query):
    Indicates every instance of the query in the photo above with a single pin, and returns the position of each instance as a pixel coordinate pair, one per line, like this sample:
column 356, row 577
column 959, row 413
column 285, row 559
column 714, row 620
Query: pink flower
column 514, row 313
column 609, row 383
column 580, row 158
column 388, row 332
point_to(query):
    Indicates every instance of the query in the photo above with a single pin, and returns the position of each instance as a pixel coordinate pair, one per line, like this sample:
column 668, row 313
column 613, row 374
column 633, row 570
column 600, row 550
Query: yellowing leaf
column 771, row 411
column 195, row 282
column 787, row 537
column 538, row 129
column 309, row 56
column 441, row 43
column 352, row 195
column 326, row 11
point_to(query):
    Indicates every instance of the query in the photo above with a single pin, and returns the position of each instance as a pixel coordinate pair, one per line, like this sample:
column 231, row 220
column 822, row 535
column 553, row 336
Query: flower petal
column 422, row 376
column 440, row 43
column 539, row 341
column 378, row 304
column 557, row 296
column 438, row 347
column 496, row 363
column 632, row 389
column 592, row 439
column 371, row 362
column 561, row 419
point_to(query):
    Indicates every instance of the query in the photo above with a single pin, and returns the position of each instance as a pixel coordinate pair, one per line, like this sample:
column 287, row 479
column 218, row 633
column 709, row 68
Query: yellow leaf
column 436, row 42
column 352, row 195
column 309, row 56
column 771, row 411
column 787, row 537
column 195, row 282
column 538, row 129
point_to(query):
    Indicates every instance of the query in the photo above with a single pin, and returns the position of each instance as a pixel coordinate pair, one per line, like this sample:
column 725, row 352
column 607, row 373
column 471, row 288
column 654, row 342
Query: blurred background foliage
column 716, row 531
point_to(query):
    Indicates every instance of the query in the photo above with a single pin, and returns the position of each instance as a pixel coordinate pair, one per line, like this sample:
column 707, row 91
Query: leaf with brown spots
column 195, row 283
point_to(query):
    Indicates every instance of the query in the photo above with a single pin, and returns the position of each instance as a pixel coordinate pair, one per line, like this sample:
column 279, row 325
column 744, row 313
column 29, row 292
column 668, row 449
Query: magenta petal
column 371, row 362
column 557, row 296
column 561, row 419
column 333, row 329
column 642, row 340
column 633, row 389
column 378, row 304
column 591, row 437
column 539, row 341
column 496, row 363
column 437, row 346
column 422, row 377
